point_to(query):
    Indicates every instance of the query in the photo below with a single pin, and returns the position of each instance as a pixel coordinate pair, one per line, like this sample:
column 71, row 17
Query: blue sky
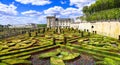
column 35, row 11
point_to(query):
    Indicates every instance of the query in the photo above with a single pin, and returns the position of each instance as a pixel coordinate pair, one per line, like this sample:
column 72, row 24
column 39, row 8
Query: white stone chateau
column 52, row 21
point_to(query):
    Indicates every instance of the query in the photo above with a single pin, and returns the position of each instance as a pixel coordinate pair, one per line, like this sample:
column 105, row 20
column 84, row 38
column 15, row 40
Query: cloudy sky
column 35, row 11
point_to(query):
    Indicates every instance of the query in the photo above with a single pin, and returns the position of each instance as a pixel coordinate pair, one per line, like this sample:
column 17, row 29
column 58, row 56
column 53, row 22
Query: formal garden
column 63, row 46
column 58, row 46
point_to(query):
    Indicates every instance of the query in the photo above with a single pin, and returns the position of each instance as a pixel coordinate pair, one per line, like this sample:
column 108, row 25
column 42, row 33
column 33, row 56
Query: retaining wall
column 111, row 29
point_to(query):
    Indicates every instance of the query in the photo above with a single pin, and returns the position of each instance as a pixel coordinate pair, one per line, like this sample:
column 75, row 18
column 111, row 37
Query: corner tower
column 51, row 21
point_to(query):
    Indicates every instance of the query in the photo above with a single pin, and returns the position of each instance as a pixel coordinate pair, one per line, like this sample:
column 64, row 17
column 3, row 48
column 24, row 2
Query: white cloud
column 31, row 13
column 70, row 11
column 8, row 9
column 6, row 19
column 34, row 2
column 81, row 3
column 8, row 15
column 54, row 10
column 60, row 12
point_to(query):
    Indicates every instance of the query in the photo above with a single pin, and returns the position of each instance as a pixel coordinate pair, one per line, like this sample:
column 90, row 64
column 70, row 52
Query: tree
column 102, row 10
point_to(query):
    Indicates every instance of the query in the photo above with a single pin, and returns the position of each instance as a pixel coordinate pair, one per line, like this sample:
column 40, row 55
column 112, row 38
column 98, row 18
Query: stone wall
column 74, row 25
column 111, row 29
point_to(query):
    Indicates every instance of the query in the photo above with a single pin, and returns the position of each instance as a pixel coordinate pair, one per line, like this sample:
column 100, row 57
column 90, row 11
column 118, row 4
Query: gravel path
column 36, row 61
column 82, row 60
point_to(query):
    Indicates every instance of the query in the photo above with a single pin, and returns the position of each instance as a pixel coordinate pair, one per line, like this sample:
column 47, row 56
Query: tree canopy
column 102, row 10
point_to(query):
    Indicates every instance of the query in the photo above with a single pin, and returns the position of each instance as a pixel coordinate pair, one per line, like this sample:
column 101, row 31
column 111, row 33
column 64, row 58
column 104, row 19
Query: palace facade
column 52, row 21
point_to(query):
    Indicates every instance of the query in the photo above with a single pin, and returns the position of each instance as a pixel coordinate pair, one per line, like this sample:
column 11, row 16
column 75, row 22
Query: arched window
column 92, row 26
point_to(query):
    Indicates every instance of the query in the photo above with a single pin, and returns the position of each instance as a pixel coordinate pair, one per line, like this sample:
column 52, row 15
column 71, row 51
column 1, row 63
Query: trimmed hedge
column 16, row 61
column 50, row 54
column 108, row 54
column 56, row 61
column 25, row 53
